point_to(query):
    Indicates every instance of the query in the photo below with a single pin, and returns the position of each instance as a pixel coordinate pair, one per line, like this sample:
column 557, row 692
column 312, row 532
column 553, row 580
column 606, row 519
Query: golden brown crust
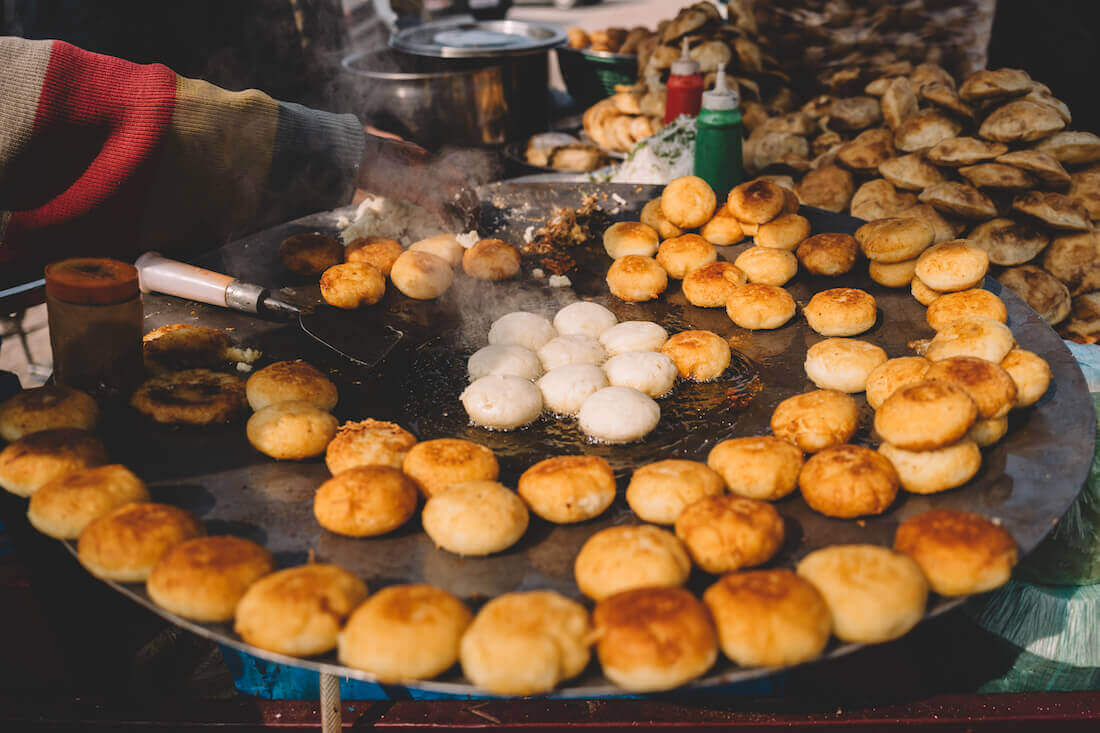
column 654, row 638
column 921, row 292
column 701, row 356
column 758, row 306
column 436, row 464
column 658, row 492
column 623, row 557
column 848, row 481
column 710, row 285
column 45, row 408
column 291, row 430
column 784, row 232
column 63, row 507
column 298, row 611
column 841, row 312
column 892, row 375
column 630, row 238
column 185, row 346
column 290, row 381
column 828, row 254
column 936, row 470
column 491, row 259
column 756, row 202
column 925, row 415
column 896, row 239
column 680, row 255
column 636, row 279
column 688, row 202
column 653, row 216
column 972, row 336
column 203, row 579
column 1030, row 372
column 191, row 397
column 952, row 266
column 368, row 443
column 893, row 274
column 959, row 552
column 990, row 386
column 725, row 533
column 767, row 266
column 365, row 501
column 723, row 229
column 310, row 254
column 567, row 489
column 379, row 252
column 445, row 246
column 352, row 285
column 762, row 467
column 125, row 543
column 475, row 518
column 768, row 618
column 421, row 275
column 965, row 304
column 842, row 364
column 28, row 463
column 816, row 420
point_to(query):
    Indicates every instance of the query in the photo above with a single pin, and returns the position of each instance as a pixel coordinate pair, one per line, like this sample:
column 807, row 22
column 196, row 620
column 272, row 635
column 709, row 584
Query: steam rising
column 477, row 305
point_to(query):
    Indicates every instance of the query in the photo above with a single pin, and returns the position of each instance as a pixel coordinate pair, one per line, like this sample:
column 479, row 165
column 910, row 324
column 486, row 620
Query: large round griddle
column 1027, row 481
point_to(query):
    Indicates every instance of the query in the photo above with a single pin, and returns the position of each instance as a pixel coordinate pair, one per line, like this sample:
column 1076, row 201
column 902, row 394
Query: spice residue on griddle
column 566, row 229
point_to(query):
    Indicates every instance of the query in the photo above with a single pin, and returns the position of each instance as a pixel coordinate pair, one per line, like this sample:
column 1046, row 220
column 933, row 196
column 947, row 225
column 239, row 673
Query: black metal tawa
column 1027, row 480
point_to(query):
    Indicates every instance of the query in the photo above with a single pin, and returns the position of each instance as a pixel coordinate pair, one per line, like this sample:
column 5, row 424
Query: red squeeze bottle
column 685, row 87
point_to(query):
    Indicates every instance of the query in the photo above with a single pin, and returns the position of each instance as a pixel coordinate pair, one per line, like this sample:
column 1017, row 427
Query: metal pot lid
column 469, row 38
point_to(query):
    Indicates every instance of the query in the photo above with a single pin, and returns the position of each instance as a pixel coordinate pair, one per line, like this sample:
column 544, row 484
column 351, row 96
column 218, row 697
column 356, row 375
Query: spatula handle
column 161, row 275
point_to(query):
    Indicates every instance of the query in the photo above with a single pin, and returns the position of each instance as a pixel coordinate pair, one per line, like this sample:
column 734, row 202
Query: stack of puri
column 637, row 111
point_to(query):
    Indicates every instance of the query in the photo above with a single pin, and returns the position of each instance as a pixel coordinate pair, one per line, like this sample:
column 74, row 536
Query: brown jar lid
column 91, row 280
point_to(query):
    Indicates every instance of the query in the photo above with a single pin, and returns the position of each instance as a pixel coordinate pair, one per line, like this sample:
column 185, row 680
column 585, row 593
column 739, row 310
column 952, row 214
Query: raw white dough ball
column 575, row 348
column 499, row 359
column 645, row 371
column 520, row 328
column 633, row 336
column 618, row 415
column 502, row 402
column 591, row 319
column 566, row 388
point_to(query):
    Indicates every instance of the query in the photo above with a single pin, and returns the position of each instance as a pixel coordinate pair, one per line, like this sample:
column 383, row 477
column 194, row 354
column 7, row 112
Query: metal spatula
column 346, row 332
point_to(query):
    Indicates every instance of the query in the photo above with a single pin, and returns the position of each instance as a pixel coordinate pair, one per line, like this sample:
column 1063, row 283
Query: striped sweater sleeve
column 99, row 156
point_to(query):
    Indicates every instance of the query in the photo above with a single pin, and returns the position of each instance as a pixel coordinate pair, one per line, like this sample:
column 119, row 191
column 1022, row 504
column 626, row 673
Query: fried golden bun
column 848, row 481
column 290, row 381
column 184, row 346
column 436, row 464
column 624, row 557
column 191, row 397
column 710, row 285
column 723, row 230
column 298, row 611
column 935, row 470
column 688, row 202
column 828, row 254
column 421, row 275
column 768, row 618
column 701, row 356
column 630, row 238
column 892, row 375
column 987, row 432
column 378, row 252
column 925, row 415
column 445, row 246
column 874, row 594
column 841, row 312
column 63, row 507
column 405, row 632
column 38, row 458
column 310, row 254
column 352, row 285
column 959, row 552
column 756, row 202
column 491, row 259
column 761, row 467
column 965, row 304
column 525, row 643
column 658, row 492
column 816, row 420
column 1030, row 372
column 842, row 364
column 767, row 266
column 203, row 579
column 636, row 279
column 125, row 543
column 952, row 266
column 726, row 532
column 894, row 240
column 365, row 501
column 756, row 306
column 683, row 254
column 46, row 408
column 921, row 292
column 783, row 232
column 475, row 518
column 653, row 216
column 990, row 386
column 368, row 443
column 893, row 274
column 653, row 639
column 291, row 431
column 972, row 336
column 568, row 489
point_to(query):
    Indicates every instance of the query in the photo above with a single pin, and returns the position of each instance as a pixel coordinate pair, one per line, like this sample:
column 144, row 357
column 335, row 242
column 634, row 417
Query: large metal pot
column 469, row 96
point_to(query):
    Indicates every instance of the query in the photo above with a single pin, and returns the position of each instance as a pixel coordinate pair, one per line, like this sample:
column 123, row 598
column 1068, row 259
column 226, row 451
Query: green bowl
column 592, row 75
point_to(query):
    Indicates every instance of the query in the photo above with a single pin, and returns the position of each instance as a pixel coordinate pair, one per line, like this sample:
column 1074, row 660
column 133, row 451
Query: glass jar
column 95, row 318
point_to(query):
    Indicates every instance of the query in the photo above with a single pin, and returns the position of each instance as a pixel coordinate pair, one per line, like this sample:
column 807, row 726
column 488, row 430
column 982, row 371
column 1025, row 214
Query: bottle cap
column 91, row 281
column 721, row 98
column 685, row 65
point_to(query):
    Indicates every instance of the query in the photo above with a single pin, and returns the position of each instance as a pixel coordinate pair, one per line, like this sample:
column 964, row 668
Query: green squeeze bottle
column 718, row 138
